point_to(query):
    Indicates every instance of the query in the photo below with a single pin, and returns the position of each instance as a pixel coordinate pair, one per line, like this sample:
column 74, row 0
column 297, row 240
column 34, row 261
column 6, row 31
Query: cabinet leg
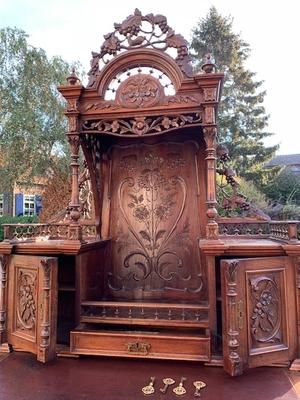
column 295, row 366
column 5, row 348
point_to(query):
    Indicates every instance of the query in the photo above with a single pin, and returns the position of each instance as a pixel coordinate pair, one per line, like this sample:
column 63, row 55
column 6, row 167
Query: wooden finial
column 208, row 65
column 73, row 78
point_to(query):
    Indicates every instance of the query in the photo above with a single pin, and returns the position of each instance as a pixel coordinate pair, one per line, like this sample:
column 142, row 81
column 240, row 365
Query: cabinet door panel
column 259, row 312
column 32, row 305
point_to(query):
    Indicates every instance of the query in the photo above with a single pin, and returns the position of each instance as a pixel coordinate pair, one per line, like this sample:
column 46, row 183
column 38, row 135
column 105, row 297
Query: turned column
column 210, row 102
column 72, row 92
column 212, row 229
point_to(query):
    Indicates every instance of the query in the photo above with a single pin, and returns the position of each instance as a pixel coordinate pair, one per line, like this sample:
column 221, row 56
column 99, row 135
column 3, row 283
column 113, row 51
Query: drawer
column 161, row 345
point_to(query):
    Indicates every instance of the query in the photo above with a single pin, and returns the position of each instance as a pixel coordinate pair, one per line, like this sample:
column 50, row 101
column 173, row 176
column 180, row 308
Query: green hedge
column 6, row 219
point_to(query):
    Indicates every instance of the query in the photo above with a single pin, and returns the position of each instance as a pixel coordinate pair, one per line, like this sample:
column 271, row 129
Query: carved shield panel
column 154, row 221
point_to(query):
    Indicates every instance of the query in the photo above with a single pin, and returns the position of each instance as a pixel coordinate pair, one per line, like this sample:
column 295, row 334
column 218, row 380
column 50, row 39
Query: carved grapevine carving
column 138, row 31
column 139, row 91
column 26, row 299
column 141, row 125
column 266, row 314
column 155, row 201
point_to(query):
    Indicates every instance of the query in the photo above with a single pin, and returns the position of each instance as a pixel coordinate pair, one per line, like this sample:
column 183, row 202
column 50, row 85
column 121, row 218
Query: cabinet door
column 32, row 305
column 258, row 312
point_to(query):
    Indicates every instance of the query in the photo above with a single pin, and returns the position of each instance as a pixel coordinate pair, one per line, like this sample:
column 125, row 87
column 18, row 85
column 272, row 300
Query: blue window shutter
column 19, row 204
column 38, row 203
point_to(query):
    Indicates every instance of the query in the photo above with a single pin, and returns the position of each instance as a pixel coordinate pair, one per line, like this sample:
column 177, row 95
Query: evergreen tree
column 32, row 124
column 242, row 117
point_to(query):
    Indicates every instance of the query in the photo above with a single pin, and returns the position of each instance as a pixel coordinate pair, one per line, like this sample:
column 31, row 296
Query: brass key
column 180, row 390
column 198, row 385
column 167, row 382
column 150, row 388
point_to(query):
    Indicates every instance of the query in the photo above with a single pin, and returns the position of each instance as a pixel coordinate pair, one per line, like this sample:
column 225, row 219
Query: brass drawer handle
column 138, row 347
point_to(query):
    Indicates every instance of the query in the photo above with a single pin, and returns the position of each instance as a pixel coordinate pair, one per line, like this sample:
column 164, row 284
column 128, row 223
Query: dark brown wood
column 139, row 271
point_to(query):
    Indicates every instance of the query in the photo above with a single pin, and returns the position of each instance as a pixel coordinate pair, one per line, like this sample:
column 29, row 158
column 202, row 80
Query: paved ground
column 99, row 378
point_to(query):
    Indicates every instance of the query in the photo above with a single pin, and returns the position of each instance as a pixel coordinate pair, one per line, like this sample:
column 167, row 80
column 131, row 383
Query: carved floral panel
column 26, row 301
column 266, row 316
column 154, row 220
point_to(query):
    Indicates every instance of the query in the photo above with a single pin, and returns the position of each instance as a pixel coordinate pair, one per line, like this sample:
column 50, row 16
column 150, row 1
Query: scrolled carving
column 210, row 94
column 138, row 31
column 142, row 125
column 140, row 91
column 72, row 105
column 74, row 142
column 266, row 313
column 155, row 202
column 26, row 306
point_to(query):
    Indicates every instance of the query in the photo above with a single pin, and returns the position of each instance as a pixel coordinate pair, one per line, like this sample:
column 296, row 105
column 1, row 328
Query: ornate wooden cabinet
column 258, row 312
column 155, row 273
column 32, row 305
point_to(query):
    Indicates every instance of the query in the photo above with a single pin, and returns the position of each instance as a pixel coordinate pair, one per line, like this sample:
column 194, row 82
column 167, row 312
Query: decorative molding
column 140, row 126
column 72, row 105
column 232, row 341
column 180, row 99
column 74, row 142
column 102, row 105
column 3, row 305
column 45, row 310
column 209, row 115
column 210, row 94
column 86, row 198
column 140, row 91
column 132, row 34
column 170, row 316
column 73, row 123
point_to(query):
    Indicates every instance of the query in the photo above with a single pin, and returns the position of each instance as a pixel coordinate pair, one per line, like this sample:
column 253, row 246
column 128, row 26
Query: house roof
column 285, row 159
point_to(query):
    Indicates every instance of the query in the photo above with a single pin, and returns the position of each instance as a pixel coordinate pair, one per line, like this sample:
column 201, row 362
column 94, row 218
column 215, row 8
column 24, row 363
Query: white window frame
column 29, row 209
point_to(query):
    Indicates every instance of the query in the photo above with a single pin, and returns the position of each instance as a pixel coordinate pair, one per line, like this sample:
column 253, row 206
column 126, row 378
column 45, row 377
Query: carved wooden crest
column 139, row 91
column 137, row 32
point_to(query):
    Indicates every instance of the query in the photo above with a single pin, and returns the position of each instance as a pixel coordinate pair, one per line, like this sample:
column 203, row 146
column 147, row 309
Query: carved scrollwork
column 266, row 313
column 155, row 202
column 26, row 306
column 140, row 126
column 138, row 31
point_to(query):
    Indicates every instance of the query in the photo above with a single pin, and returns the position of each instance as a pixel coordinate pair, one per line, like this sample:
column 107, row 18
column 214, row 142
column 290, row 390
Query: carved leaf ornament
column 138, row 31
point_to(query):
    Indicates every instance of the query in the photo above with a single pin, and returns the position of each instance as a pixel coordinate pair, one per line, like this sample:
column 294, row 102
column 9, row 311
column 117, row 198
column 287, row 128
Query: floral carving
column 138, row 31
column 142, row 125
column 266, row 314
column 155, row 201
column 26, row 300
column 139, row 91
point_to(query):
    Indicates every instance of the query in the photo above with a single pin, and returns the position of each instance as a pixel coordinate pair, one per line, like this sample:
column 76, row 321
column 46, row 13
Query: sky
column 72, row 29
